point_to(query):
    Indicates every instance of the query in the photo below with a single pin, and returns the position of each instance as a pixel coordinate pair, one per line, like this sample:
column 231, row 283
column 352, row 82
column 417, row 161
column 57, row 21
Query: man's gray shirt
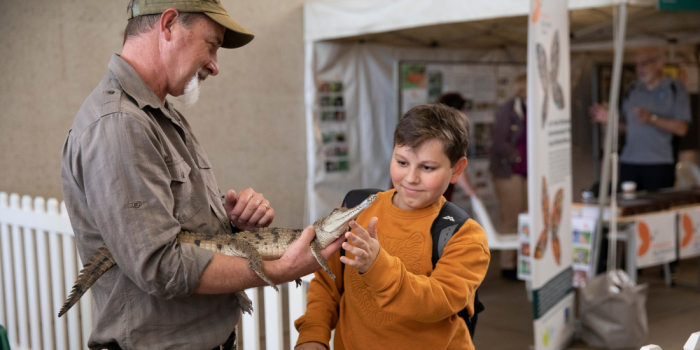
column 133, row 177
column 646, row 144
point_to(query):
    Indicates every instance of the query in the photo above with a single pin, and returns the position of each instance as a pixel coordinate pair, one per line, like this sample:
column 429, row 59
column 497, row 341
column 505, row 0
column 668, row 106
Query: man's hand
column 644, row 115
column 366, row 246
column 312, row 345
column 598, row 113
column 248, row 210
column 298, row 261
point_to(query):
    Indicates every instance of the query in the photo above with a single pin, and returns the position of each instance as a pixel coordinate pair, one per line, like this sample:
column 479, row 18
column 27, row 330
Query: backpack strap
column 450, row 219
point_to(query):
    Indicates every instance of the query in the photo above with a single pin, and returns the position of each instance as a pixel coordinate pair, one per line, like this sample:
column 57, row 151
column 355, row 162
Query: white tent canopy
column 475, row 23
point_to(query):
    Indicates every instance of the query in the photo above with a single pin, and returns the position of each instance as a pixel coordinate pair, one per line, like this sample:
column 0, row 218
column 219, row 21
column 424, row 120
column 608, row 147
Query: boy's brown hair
column 434, row 121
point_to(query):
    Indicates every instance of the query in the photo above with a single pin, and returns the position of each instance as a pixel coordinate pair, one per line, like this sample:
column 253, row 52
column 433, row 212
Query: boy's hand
column 366, row 246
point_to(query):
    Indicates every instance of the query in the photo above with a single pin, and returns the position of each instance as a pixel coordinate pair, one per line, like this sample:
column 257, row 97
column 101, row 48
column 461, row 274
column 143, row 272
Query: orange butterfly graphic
column 550, row 222
column 536, row 11
column 688, row 229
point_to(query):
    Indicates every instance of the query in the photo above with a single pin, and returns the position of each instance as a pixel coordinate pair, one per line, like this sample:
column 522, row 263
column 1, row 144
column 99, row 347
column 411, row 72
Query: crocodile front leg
column 316, row 251
column 255, row 261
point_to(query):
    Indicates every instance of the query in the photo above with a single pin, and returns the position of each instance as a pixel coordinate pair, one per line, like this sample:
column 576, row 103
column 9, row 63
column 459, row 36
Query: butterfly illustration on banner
column 688, row 229
column 554, row 220
column 549, row 77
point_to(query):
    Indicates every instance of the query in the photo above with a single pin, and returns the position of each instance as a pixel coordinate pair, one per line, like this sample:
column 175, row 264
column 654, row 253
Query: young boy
column 388, row 296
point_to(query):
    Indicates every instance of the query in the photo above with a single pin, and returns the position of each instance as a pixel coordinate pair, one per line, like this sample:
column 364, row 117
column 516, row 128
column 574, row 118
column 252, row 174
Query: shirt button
column 111, row 92
column 183, row 174
column 137, row 204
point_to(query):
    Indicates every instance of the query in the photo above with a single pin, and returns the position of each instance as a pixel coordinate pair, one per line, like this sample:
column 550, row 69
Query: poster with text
column 414, row 86
column 549, row 172
column 655, row 238
column 689, row 233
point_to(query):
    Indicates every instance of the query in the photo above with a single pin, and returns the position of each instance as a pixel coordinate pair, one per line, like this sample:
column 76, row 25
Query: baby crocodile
column 256, row 245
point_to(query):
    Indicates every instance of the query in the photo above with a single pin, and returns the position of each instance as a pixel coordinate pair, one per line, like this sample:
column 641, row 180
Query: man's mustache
column 202, row 74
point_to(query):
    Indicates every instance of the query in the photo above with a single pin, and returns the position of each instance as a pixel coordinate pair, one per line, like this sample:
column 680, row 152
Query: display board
column 689, row 233
column 333, row 126
column 485, row 87
column 655, row 237
column 549, row 173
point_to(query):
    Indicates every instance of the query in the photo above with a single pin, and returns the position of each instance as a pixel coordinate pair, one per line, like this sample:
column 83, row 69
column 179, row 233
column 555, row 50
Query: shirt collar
column 665, row 83
column 133, row 85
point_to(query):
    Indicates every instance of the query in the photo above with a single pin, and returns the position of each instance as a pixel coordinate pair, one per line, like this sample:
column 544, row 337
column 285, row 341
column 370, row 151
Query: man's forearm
column 227, row 274
column 676, row 127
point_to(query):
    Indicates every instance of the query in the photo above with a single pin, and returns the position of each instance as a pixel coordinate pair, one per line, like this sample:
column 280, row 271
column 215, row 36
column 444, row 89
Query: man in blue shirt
column 654, row 109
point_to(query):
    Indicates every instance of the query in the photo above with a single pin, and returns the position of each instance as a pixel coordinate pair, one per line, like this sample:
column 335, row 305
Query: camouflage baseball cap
column 235, row 36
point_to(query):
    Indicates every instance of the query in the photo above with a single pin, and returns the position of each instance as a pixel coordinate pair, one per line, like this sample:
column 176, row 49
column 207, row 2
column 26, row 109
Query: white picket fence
column 39, row 265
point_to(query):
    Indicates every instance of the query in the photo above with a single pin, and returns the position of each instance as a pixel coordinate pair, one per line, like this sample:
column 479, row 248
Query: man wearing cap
column 654, row 109
column 134, row 176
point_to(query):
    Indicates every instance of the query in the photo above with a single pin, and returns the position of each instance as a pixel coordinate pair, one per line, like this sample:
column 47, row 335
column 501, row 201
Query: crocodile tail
column 95, row 267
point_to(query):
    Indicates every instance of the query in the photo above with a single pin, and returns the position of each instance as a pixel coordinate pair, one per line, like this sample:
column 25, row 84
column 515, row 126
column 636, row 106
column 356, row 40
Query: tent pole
column 612, row 130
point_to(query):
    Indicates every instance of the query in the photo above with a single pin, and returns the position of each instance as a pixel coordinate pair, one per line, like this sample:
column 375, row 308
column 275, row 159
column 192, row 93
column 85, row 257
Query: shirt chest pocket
column 185, row 201
column 215, row 196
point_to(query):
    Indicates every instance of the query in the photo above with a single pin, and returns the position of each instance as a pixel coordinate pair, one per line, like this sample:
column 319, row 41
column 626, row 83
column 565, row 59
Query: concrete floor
column 673, row 313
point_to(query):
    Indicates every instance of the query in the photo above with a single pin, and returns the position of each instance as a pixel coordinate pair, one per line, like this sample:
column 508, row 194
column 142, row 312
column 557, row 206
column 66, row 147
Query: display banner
column 655, row 237
column 549, row 172
column 689, row 232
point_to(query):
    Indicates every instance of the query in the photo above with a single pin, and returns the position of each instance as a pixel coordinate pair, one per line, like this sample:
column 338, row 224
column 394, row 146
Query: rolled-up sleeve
column 127, row 184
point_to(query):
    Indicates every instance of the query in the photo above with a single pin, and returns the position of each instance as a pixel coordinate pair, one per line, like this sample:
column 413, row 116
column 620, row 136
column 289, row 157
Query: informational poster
column 655, row 237
column 689, row 232
column 414, row 86
column 524, row 254
column 333, row 125
column 549, row 172
column 484, row 87
column 583, row 230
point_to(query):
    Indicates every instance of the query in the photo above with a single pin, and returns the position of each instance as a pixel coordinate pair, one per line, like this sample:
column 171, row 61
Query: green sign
column 679, row 5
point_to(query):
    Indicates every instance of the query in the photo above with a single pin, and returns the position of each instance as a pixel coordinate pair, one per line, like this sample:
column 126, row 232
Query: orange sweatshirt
column 400, row 302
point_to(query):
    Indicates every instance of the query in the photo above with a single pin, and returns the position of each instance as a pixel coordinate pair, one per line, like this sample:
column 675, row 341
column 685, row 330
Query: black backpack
column 449, row 220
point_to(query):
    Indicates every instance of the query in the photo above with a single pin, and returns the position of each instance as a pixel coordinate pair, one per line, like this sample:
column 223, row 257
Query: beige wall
column 250, row 118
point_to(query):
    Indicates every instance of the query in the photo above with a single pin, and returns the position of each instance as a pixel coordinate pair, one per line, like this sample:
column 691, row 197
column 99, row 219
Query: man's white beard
column 191, row 94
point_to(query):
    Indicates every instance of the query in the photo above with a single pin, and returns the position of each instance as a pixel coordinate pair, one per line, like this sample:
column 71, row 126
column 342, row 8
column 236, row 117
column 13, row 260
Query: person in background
column 509, row 167
column 654, row 109
column 456, row 101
